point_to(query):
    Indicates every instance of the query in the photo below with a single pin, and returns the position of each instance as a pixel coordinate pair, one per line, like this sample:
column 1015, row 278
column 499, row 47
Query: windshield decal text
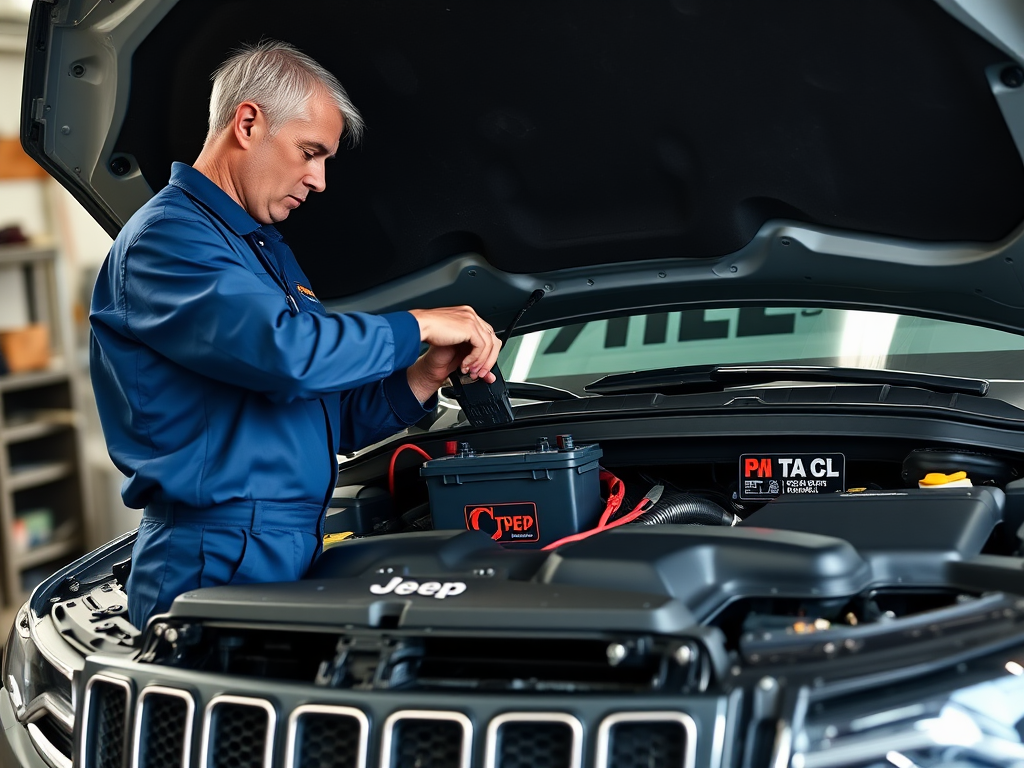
column 693, row 326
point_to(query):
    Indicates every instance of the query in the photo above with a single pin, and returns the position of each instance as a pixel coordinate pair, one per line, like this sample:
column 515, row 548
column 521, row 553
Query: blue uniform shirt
column 218, row 375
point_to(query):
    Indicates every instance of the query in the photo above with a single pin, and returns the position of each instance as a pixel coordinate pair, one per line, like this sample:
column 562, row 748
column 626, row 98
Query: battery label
column 505, row 522
column 764, row 476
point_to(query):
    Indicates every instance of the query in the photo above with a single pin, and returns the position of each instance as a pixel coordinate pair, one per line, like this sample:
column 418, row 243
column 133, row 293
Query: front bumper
column 16, row 748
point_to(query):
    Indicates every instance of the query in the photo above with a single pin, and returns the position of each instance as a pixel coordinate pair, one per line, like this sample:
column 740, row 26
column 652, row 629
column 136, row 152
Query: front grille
column 419, row 739
column 161, row 729
column 164, row 729
column 327, row 737
column 106, row 723
column 646, row 740
column 239, row 733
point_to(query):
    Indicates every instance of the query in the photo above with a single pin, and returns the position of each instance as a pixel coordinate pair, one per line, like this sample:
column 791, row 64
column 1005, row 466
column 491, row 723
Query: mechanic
column 225, row 390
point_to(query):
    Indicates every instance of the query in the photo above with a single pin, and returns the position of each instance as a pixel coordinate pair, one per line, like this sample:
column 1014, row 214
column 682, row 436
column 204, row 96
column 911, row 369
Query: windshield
column 575, row 355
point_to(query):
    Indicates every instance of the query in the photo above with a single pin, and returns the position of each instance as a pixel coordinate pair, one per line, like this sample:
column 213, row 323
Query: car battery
column 524, row 498
column 359, row 509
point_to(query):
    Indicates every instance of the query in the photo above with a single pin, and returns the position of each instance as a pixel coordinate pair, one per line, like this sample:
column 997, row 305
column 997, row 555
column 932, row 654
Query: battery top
column 468, row 462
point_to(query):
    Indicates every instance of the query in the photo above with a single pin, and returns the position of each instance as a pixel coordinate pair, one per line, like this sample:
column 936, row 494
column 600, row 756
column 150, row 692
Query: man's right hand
column 455, row 326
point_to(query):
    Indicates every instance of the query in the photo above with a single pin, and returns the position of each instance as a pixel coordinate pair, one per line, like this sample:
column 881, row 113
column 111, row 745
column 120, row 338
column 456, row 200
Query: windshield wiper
column 527, row 390
column 677, row 381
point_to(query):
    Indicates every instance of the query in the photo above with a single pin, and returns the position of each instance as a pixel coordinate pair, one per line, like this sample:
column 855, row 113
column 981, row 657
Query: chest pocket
column 256, row 266
column 257, row 262
column 268, row 280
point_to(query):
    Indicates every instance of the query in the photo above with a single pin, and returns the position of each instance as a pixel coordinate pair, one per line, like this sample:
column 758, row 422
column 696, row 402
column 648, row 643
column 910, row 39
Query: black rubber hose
column 685, row 509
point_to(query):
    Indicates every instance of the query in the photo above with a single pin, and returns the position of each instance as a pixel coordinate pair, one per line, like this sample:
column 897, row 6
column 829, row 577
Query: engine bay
column 561, row 490
column 706, row 569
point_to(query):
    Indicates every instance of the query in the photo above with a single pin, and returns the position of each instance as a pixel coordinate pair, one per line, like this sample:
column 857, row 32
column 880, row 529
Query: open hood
column 616, row 154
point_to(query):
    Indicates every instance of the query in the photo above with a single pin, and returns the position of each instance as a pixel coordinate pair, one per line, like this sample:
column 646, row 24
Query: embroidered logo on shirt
column 307, row 293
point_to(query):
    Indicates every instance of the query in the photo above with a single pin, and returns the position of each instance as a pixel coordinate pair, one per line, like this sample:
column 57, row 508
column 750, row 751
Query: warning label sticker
column 764, row 476
column 505, row 522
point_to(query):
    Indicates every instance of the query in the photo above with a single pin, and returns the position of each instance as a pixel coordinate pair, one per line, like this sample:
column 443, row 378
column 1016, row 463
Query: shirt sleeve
column 378, row 410
column 189, row 296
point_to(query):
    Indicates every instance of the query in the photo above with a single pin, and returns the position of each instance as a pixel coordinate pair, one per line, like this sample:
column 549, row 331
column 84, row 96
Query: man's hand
column 455, row 326
column 430, row 371
column 458, row 339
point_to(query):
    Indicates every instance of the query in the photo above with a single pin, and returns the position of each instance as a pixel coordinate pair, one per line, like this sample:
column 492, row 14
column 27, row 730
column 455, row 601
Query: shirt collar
column 204, row 191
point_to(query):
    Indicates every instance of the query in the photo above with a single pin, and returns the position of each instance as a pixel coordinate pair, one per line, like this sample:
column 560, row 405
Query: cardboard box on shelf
column 26, row 349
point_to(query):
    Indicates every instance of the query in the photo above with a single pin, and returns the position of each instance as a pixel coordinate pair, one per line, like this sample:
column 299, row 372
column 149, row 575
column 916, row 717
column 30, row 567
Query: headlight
column 40, row 686
column 921, row 725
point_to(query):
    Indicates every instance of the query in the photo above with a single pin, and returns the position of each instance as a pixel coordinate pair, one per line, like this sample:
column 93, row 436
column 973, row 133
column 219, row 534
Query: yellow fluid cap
column 937, row 478
column 336, row 538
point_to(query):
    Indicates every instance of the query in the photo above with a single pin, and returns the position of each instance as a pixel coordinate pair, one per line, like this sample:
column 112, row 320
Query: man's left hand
column 428, row 373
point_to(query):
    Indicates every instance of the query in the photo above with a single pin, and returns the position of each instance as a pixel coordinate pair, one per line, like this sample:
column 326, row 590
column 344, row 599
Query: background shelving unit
column 42, row 468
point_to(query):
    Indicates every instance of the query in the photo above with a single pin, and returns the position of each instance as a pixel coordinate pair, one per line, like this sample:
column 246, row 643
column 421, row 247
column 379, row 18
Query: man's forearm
column 423, row 383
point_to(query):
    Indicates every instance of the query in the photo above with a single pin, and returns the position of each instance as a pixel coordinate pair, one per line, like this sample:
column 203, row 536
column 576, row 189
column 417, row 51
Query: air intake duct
column 685, row 509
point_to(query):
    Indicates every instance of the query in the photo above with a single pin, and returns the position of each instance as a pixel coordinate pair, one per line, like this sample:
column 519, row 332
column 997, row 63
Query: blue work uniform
column 225, row 391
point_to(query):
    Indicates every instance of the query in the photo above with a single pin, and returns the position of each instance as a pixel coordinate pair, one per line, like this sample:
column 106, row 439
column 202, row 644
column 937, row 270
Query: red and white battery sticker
column 516, row 521
column 764, row 476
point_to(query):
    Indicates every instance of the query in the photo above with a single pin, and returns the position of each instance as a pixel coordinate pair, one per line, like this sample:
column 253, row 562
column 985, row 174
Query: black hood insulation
column 552, row 135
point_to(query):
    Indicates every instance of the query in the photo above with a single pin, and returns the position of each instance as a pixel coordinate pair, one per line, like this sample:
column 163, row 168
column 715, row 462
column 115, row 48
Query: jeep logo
column 400, row 586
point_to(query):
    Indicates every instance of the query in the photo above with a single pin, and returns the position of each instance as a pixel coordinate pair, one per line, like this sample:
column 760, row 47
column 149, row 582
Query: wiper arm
column 677, row 381
column 527, row 390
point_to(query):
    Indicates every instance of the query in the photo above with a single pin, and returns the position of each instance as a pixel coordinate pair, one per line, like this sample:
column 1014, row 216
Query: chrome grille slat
column 323, row 736
column 236, row 728
column 662, row 739
column 430, row 746
column 106, row 722
column 164, row 721
column 534, row 740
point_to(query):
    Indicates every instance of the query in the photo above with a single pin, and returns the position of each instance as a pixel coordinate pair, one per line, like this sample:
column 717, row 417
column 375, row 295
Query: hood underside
column 549, row 137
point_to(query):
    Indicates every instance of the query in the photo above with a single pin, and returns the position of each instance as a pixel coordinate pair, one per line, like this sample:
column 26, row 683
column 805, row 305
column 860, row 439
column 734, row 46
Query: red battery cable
column 394, row 456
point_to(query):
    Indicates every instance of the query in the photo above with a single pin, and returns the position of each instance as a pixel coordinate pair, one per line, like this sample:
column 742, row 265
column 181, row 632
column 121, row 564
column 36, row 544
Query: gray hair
column 281, row 80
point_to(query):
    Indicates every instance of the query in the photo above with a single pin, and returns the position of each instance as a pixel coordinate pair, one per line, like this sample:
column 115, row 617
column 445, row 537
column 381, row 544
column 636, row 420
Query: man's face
column 289, row 165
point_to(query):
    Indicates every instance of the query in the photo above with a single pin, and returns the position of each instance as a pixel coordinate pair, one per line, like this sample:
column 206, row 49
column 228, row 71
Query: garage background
column 49, row 521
